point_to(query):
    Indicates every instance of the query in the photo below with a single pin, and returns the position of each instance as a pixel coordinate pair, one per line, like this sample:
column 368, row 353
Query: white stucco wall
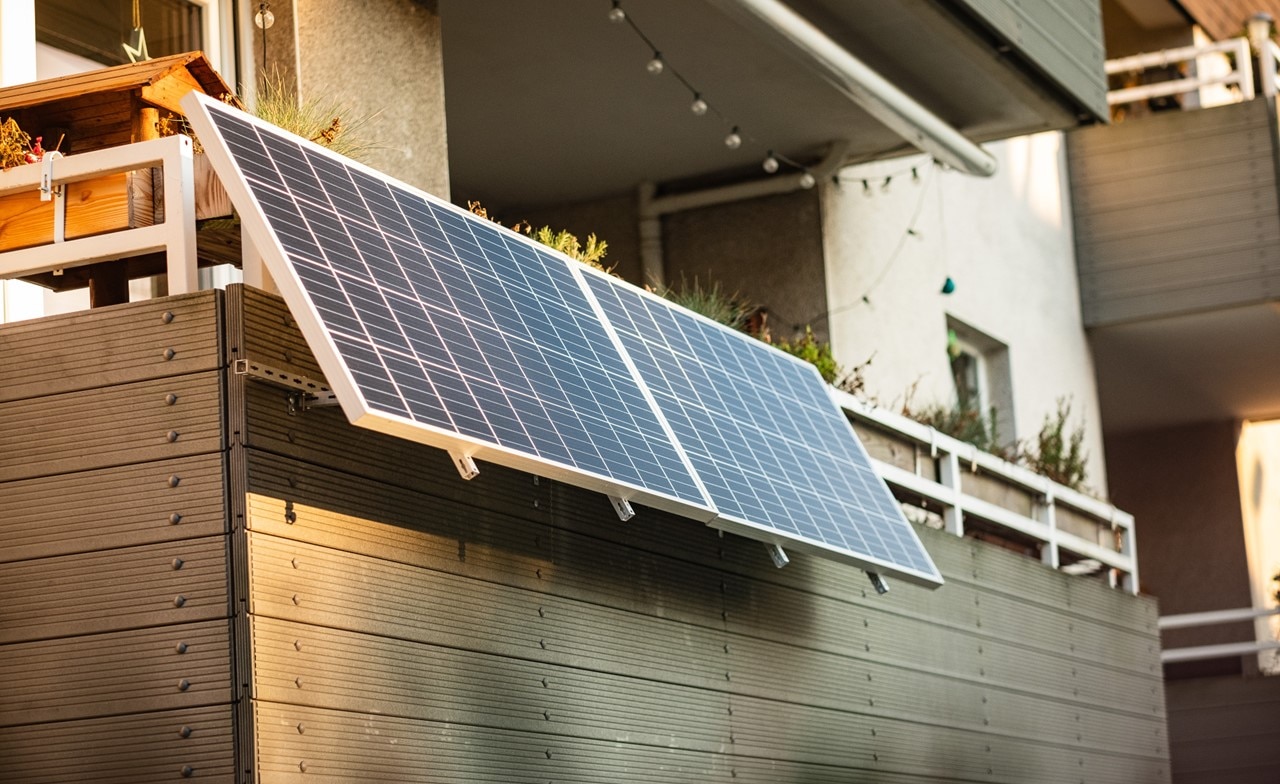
column 1007, row 243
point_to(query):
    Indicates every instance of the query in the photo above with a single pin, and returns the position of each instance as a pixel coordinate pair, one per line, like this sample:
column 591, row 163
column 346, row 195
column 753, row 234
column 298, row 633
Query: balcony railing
column 1214, row 618
column 970, row 490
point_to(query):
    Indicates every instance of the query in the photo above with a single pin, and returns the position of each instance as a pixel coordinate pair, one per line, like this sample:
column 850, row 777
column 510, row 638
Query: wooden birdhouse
column 85, row 113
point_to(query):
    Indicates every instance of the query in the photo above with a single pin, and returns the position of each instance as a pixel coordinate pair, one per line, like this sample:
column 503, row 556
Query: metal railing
column 952, row 462
column 1214, row 618
column 1241, row 74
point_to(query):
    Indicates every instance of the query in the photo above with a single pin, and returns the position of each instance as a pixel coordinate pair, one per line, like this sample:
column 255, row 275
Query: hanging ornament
column 616, row 14
column 655, row 65
column 770, row 164
column 136, row 47
column 734, row 140
column 948, row 285
column 807, row 181
column 699, row 106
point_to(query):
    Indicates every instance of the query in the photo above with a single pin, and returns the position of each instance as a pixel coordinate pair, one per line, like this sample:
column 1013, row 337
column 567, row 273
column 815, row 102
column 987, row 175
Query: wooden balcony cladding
column 1176, row 212
column 407, row 625
column 116, row 647
column 148, row 747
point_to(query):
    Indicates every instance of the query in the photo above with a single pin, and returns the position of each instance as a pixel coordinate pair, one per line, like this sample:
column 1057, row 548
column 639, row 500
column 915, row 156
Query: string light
column 699, row 106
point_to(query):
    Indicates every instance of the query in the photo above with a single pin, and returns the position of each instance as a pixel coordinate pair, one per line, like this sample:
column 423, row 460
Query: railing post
column 949, row 474
column 1244, row 65
column 180, row 217
column 1049, row 553
column 1267, row 63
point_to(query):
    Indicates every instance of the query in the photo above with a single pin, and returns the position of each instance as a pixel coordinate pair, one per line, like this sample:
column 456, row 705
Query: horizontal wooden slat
column 339, row 746
column 114, row 674
column 137, row 749
column 134, row 587
column 112, row 507
column 117, row 425
column 329, row 668
column 309, row 584
column 106, row 346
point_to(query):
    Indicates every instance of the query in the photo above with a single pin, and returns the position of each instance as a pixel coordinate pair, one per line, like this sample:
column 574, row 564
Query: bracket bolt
column 174, row 480
column 171, row 436
column 179, row 600
column 169, row 354
column 187, row 770
column 167, row 317
column 177, row 563
column 185, row 732
column 175, row 518
column 184, row 684
column 181, row 647
column 170, row 399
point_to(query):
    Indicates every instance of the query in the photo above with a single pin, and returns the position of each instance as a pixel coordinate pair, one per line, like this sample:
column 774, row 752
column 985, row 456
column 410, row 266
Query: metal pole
column 862, row 85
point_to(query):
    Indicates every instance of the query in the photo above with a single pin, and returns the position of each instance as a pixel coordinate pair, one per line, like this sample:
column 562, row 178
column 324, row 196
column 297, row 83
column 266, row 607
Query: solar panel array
column 436, row 325
column 450, row 323
column 775, row 454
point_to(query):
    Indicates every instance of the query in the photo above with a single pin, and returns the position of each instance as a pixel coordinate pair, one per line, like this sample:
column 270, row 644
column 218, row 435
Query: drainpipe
column 652, row 208
column 860, row 84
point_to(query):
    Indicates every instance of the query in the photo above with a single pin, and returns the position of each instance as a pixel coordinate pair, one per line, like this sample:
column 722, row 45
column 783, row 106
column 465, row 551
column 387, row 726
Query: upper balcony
column 1177, row 222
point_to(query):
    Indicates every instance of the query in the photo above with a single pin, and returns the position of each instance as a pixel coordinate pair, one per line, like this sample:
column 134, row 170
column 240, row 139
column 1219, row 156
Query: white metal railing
column 1241, row 75
column 1213, row 618
column 1268, row 62
column 176, row 236
column 946, row 491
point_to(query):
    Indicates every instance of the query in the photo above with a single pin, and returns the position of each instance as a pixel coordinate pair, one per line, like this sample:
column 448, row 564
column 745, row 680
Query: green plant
column 319, row 117
column 564, row 241
column 1057, row 452
column 710, row 301
column 815, row 352
column 965, row 423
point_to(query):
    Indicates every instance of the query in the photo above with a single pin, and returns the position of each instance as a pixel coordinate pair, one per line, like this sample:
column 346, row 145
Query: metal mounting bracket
column 878, row 582
column 623, row 507
column 47, row 186
column 777, row 555
column 305, row 393
column 467, row 467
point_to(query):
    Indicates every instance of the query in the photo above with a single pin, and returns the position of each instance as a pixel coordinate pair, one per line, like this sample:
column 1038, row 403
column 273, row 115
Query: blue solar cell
column 777, row 456
column 450, row 322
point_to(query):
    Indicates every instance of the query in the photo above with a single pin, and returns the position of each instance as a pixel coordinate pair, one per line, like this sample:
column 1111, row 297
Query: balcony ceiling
column 548, row 102
column 1214, row 365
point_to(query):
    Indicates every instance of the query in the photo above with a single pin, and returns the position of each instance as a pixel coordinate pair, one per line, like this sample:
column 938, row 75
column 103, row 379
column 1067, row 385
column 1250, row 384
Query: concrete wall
column 1181, row 483
column 768, row 250
column 1007, row 243
column 385, row 58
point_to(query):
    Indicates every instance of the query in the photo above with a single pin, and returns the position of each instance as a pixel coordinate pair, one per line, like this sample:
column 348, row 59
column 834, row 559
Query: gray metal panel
column 116, row 673
column 146, row 747
column 151, row 585
column 106, row 346
column 1063, row 39
column 270, row 335
column 112, row 507
column 95, row 428
column 1176, row 212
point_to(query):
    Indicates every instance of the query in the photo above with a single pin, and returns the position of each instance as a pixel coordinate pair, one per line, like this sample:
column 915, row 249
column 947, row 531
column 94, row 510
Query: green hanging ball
column 948, row 286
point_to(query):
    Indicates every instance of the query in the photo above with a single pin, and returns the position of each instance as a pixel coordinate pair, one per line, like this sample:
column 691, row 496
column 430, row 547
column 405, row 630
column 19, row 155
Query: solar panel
column 438, row 326
column 779, row 459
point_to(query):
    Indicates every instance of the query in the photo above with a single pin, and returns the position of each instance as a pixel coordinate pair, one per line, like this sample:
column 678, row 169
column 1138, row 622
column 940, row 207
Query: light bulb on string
column 699, row 106
column 807, row 180
column 655, row 65
column 734, row 140
column 770, row 164
column 616, row 14
column 264, row 18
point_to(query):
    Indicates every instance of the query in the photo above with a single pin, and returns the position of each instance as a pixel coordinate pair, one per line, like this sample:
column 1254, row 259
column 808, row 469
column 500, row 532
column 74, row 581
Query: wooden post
column 109, row 281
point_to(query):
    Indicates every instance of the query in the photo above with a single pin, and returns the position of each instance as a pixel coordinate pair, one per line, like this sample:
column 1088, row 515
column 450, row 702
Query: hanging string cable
column 137, row 14
column 929, row 180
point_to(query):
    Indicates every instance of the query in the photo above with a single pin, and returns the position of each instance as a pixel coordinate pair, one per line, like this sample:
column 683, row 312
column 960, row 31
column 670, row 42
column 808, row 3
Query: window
column 980, row 372
column 97, row 29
